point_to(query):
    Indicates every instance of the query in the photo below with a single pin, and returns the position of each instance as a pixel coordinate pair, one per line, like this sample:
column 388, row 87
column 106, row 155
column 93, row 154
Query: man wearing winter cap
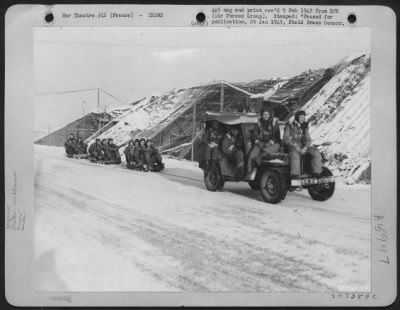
column 94, row 150
column 267, row 138
column 155, row 156
column 70, row 144
column 105, row 152
column 231, row 147
column 142, row 146
column 113, row 150
column 130, row 152
column 297, row 140
column 81, row 146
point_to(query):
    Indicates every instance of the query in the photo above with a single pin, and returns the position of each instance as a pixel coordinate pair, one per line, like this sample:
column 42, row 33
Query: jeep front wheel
column 322, row 192
column 273, row 189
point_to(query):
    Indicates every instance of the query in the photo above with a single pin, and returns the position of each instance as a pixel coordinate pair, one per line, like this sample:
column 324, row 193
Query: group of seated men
column 142, row 155
column 104, row 150
column 266, row 140
column 75, row 145
column 218, row 143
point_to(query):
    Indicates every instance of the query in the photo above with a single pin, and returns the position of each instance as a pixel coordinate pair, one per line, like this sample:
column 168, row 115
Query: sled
column 105, row 162
column 134, row 167
column 157, row 167
column 81, row 156
column 78, row 156
column 111, row 162
column 100, row 162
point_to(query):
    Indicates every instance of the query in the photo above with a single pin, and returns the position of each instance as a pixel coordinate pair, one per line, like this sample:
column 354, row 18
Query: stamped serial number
column 156, row 14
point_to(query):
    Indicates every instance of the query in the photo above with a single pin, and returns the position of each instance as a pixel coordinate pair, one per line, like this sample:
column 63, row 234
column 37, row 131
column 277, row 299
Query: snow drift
column 339, row 117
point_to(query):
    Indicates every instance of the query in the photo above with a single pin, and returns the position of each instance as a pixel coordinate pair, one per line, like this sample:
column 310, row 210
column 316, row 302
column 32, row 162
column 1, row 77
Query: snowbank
column 339, row 117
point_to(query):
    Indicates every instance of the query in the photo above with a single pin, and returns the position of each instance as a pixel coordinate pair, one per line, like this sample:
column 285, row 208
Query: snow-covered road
column 106, row 228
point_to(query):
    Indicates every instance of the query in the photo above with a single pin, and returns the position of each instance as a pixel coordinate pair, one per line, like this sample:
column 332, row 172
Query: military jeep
column 272, row 174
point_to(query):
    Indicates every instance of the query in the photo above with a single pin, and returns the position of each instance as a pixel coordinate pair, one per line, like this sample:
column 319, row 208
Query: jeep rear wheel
column 213, row 179
column 273, row 188
column 322, row 192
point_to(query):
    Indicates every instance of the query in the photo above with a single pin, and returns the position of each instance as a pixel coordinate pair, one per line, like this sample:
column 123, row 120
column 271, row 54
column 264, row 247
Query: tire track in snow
column 172, row 247
column 227, row 263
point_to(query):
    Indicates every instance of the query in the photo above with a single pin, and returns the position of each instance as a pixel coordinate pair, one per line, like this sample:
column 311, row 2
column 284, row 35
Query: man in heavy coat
column 138, row 155
column 95, row 150
column 267, row 140
column 81, row 147
column 113, row 151
column 231, row 148
column 297, row 141
column 212, row 139
column 69, row 145
column 142, row 155
column 152, row 155
column 105, row 152
column 130, row 153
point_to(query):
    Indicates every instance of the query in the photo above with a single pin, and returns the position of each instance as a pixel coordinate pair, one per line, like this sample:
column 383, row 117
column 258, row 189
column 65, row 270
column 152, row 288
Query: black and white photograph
column 204, row 155
column 202, row 160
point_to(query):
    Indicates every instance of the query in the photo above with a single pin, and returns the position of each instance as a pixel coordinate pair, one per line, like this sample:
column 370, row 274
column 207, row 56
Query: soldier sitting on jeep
column 268, row 138
column 232, row 147
column 297, row 142
column 212, row 139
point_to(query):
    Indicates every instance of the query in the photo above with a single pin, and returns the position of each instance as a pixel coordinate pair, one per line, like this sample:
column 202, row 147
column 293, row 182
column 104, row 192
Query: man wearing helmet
column 297, row 141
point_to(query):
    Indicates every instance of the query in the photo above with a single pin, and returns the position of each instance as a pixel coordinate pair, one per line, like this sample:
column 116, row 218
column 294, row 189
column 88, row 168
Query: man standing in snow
column 297, row 141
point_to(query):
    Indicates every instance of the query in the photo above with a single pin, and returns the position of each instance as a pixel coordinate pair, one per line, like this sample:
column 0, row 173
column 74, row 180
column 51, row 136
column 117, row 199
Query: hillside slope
column 83, row 127
column 339, row 117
